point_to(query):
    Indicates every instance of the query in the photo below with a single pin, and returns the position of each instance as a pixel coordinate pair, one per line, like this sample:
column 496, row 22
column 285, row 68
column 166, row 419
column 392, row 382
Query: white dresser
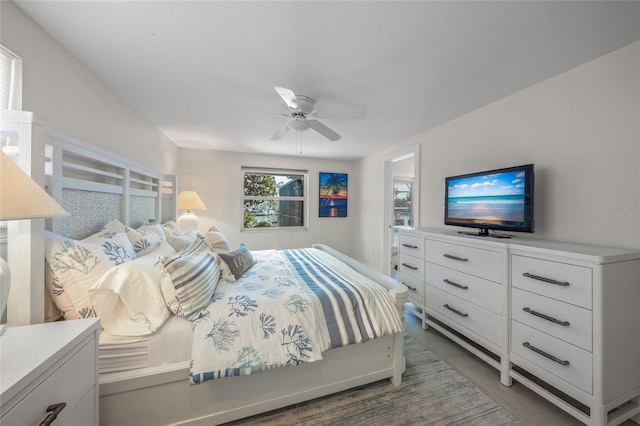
column 47, row 364
column 411, row 269
column 563, row 319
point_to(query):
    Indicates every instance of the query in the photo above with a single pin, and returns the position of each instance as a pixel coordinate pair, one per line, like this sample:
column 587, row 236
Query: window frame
column 14, row 79
column 275, row 172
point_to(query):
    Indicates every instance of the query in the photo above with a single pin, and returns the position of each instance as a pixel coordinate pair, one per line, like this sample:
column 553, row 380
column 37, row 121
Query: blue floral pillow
column 77, row 265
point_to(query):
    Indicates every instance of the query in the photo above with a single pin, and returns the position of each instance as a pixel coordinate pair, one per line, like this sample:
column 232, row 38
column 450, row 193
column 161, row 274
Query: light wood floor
column 527, row 406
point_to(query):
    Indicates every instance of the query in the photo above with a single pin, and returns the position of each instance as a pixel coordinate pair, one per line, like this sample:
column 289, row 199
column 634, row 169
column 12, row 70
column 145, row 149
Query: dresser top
column 27, row 352
column 582, row 252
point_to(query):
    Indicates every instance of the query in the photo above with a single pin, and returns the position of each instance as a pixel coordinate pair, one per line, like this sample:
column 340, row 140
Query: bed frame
column 73, row 171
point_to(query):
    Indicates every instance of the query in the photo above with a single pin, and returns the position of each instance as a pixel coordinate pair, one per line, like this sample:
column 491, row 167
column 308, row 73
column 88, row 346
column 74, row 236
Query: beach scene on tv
column 493, row 198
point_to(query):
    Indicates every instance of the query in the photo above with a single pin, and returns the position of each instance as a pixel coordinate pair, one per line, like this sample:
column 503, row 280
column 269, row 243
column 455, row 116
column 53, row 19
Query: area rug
column 432, row 393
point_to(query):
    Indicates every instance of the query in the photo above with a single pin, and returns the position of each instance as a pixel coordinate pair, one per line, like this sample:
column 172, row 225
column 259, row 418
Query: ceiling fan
column 301, row 116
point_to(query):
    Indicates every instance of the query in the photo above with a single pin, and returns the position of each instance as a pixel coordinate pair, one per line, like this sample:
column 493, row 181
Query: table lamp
column 20, row 198
column 189, row 200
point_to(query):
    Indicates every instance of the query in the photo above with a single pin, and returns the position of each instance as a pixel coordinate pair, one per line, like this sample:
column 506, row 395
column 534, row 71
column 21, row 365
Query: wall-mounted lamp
column 189, row 200
column 20, row 198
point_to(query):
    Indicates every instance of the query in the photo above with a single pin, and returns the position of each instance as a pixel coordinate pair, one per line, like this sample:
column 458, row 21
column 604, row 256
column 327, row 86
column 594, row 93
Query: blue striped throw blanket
column 286, row 310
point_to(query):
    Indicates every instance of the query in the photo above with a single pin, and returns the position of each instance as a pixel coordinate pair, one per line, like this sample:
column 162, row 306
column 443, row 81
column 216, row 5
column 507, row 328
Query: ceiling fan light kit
column 301, row 116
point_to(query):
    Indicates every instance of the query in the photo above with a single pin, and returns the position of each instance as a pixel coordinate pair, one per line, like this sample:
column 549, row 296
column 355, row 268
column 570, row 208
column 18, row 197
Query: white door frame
column 388, row 199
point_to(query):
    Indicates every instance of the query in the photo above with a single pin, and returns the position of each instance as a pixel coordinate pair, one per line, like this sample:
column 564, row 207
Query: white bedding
column 171, row 343
column 291, row 306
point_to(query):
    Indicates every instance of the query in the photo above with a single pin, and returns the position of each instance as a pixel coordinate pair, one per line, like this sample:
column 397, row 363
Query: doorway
column 401, row 201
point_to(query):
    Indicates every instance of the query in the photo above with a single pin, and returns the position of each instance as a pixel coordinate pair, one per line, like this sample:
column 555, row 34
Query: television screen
column 499, row 199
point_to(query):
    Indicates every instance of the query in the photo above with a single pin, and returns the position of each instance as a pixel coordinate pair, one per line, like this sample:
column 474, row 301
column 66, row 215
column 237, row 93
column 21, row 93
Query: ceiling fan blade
column 324, row 130
column 279, row 134
column 287, row 96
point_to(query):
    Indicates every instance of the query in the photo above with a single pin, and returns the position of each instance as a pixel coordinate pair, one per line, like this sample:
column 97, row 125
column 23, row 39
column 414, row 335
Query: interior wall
column 217, row 178
column 74, row 101
column 580, row 128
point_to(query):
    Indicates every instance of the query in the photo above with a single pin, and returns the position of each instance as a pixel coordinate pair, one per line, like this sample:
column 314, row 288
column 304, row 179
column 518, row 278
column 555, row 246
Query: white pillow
column 175, row 238
column 144, row 240
column 128, row 298
column 189, row 280
column 217, row 241
column 77, row 265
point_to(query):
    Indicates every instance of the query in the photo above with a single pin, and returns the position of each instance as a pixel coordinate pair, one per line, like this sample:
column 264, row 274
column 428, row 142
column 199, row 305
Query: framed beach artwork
column 333, row 194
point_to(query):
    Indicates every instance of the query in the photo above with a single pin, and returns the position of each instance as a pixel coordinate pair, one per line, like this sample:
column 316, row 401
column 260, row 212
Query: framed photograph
column 333, row 194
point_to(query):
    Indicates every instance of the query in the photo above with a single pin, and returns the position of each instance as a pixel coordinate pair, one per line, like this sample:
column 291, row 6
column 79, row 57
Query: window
column 10, row 80
column 274, row 198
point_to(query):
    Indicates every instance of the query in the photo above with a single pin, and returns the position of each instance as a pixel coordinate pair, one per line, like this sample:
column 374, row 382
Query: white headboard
column 92, row 184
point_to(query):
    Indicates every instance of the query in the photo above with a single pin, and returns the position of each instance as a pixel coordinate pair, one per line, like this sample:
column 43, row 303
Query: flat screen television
column 500, row 200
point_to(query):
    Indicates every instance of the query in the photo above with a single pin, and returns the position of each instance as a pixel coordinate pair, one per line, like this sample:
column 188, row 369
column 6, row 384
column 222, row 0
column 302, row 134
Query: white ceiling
column 195, row 69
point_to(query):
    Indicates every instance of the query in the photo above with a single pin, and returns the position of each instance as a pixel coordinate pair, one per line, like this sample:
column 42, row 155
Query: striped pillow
column 189, row 279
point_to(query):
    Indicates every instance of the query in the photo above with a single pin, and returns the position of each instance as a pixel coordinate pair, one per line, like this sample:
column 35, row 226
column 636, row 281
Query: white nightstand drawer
column 411, row 266
column 481, row 292
column 69, row 383
column 481, row 263
column 564, row 321
column 567, row 362
column 561, row 281
column 415, row 286
column 479, row 320
column 412, row 245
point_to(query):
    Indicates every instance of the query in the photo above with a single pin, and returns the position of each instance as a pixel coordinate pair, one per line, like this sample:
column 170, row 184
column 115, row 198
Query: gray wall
column 581, row 129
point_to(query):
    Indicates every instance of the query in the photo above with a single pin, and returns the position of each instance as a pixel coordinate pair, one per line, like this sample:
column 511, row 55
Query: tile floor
column 527, row 406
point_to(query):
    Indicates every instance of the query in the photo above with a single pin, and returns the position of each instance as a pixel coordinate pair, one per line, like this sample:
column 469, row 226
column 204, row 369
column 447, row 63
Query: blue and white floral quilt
column 286, row 310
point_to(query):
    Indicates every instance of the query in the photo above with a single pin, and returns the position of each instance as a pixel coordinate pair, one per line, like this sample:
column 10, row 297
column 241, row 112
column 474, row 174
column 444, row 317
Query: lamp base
column 188, row 222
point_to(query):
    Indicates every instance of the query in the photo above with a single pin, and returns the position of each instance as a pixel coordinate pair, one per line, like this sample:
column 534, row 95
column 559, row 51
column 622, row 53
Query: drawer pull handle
column 547, row 317
column 409, row 246
column 409, row 266
column 409, row 287
column 464, row 287
column 455, row 311
column 450, row 256
column 54, row 410
column 544, row 354
column 546, row 280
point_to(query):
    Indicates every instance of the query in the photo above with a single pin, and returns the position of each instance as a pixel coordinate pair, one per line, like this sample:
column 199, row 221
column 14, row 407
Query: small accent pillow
column 238, row 261
column 144, row 240
column 175, row 237
column 217, row 241
column 128, row 298
column 77, row 265
column 189, row 279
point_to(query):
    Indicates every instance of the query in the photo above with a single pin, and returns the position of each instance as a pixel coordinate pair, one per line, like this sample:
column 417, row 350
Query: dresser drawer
column 577, row 372
column 481, row 292
column 474, row 318
column 68, row 383
column 564, row 321
column 415, row 286
column 411, row 266
column 560, row 281
column 412, row 245
column 479, row 262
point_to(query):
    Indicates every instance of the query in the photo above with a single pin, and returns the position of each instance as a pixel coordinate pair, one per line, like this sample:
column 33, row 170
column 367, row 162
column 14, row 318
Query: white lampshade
column 20, row 198
column 189, row 200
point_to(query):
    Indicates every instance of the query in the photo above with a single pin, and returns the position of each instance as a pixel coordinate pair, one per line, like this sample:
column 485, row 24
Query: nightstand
column 47, row 364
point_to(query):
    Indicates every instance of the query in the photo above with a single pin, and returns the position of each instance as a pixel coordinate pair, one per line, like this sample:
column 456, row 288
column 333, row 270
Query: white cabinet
column 466, row 294
column 411, row 269
column 560, row 318
column 47, row 364
column 574, row 324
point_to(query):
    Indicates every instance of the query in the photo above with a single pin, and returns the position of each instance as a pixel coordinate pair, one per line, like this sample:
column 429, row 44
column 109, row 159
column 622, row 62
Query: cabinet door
column 69, row 383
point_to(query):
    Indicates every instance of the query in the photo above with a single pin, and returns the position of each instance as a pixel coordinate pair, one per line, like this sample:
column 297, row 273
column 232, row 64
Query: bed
column 76, row 172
